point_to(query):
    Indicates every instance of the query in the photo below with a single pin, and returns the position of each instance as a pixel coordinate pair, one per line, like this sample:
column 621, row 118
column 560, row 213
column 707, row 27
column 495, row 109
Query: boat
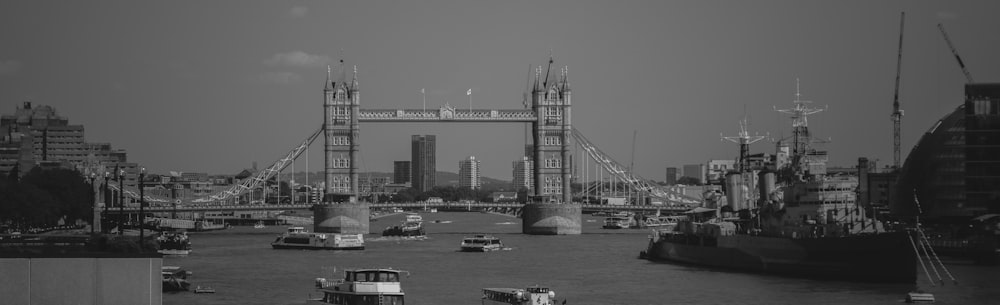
column 203, row 225
column 617, row 222
column 412, row 225
column 173, row 243
column 299, row 238
column 372, row 286
column 204, row 289
column 259, row 225
column 919, row 296
column 535, row 295
column 798, row 221
column 481, row 243
column 174, row 278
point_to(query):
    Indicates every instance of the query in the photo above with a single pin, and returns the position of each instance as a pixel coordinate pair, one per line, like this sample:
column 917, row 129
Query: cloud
column 946, row 15
column 281, row 78
column 9, row 67
column 298, row 59
column 298, row 11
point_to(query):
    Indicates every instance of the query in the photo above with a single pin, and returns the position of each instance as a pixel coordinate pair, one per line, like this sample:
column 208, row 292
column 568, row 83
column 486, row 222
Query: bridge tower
column 340, row 211
column 551, row 210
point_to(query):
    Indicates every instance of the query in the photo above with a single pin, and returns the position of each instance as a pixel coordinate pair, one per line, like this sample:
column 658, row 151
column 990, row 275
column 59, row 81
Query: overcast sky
column 212, row 86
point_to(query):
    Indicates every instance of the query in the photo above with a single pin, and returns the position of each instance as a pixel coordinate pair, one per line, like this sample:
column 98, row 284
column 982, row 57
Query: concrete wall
column 81, row 281
column 347, row 218
column 551, row 219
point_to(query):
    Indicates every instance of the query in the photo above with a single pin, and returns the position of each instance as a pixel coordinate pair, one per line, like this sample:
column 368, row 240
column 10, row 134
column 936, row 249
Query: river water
column 597, row 267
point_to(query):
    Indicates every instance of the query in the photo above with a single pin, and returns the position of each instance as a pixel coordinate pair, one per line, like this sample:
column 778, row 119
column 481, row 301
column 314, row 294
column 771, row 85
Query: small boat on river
column 535, row 295
column 371, row 286
column 171, row 243
column 481, row 243
column 299, row 238
column 410, row 227
column 174, row 278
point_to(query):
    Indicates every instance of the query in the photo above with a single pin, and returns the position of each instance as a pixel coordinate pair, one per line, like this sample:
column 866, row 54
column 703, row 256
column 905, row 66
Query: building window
column 553, row 140
column 341, row 163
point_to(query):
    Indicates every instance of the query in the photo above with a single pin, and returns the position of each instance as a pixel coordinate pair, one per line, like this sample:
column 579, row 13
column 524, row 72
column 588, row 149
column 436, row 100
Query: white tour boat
column 375, row 286
column 299, row 238
column 535, row 295
column 481, row 243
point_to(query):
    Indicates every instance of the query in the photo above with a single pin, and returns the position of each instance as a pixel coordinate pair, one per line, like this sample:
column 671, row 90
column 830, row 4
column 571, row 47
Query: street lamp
column 93, row 202
column 121, row 202
column 104, row 193
column 142, row 202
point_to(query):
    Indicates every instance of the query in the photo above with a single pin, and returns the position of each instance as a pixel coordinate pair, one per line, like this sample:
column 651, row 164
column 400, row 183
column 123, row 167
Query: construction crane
column 968, row 77
column 897, row 114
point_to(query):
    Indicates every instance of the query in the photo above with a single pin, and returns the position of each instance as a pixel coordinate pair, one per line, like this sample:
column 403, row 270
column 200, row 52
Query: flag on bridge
column 468, row 92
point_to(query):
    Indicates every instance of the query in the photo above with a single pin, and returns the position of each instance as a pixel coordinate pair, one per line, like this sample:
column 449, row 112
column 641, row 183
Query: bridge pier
column 551, row 219
column 347, row 218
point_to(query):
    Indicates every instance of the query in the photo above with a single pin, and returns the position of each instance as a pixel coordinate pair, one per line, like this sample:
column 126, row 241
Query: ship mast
column 800, row 125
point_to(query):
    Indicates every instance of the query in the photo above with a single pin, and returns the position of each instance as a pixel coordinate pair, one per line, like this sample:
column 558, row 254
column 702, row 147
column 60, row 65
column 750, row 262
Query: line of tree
column 42, row 197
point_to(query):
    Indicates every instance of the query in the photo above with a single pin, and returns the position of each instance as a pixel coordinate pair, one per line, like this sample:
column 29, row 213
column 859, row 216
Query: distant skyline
column 214, row 86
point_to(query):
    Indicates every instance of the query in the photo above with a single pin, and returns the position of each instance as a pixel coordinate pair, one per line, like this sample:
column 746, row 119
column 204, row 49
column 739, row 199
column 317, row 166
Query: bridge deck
column 285, row 207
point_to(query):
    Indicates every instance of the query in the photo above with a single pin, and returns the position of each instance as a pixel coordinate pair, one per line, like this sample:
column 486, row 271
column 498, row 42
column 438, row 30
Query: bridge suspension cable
column 254, row 181
column 633, row 181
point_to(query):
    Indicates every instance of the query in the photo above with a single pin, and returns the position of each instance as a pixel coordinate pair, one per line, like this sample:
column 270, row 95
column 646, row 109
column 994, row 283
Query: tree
column 689, row 180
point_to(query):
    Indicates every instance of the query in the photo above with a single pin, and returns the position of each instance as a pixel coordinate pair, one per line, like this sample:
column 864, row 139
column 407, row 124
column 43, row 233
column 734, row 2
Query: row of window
column 553, row 140
column 553, row 163
column 341, row 163
column 341, row 141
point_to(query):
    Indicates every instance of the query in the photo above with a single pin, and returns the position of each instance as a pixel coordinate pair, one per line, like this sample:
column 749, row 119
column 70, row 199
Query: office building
column 671, row 177
column 401, row 172
column 953, row 170
column 468, row 173
column 38, row 135
column 423, row 162
column 695, row 171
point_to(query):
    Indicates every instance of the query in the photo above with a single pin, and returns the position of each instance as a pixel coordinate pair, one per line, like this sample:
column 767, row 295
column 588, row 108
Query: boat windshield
column 373, row 276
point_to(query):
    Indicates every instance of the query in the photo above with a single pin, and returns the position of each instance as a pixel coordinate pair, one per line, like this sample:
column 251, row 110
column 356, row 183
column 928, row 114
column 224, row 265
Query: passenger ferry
column 481, row 243
column 299, row 238
column 375, row 286
column 535, row 295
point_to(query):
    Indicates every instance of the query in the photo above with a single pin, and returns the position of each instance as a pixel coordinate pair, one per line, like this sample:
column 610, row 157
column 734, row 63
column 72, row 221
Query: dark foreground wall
column 551, row 219
column 81, row 280
column 347, row 218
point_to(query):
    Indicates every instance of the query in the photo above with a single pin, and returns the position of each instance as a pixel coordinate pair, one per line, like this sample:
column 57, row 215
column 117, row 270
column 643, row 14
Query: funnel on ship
column 734, row 191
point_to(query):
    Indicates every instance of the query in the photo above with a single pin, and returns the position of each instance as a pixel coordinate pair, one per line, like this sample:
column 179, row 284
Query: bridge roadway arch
column 549, row 113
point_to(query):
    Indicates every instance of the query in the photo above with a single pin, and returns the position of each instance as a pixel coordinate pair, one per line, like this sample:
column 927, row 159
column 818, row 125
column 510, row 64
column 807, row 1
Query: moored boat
column 617, row 222
column 370, row 286
column 481, row 243
column 174, row 278
column 173, row 243
column 535, row 295
column 299, row 238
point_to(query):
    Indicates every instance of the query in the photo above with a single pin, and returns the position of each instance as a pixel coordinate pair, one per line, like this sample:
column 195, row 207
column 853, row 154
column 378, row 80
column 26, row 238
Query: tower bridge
column 548, row 108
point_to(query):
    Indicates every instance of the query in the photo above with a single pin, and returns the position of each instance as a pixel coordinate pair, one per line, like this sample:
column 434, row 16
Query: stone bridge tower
column 341, row 212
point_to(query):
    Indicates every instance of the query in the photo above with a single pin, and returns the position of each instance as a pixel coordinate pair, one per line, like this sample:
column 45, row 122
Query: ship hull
column 886, row 257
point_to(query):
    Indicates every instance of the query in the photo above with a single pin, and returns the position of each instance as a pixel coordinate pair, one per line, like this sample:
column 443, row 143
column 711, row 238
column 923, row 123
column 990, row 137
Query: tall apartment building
column 468, row 173
column 671, row 177
column 423, row 161
column 38, row 135
column 522, row 173
column 401, row 172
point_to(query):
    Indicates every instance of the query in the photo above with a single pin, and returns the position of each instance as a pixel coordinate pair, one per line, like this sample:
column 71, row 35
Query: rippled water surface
column 597, row 267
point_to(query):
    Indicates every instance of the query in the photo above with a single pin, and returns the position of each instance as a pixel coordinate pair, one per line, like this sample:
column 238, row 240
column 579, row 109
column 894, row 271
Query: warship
column 787, row 215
